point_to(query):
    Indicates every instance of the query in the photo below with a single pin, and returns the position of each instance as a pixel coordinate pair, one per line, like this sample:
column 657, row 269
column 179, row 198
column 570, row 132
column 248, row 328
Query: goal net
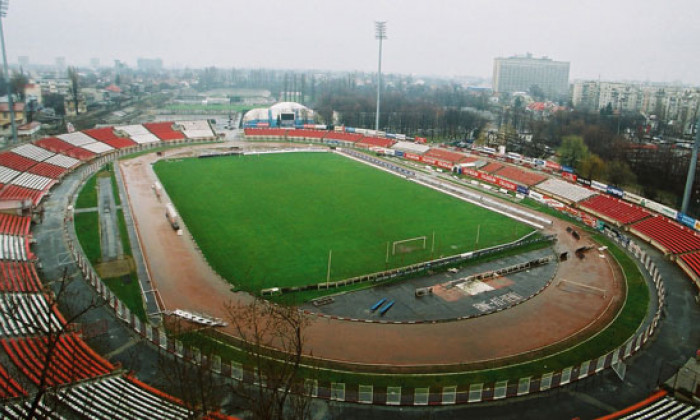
column 405, row 246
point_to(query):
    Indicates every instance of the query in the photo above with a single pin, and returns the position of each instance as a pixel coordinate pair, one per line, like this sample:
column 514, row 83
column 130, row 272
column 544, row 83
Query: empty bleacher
column 18, row 276
column 520, row 176
column 33, row 181
column 27, row 314
column 11, row 224
column 448, row 156
column 197, row 129
column 106, row 135
column 15, row 192
column 614, row 209
column 137, row 133
column 342, row 136
column 9, row 388
column 120, row 398
column 492, row 167
column 63, row 161
column 7, row 174
column 72, row 360
column 672, row 236
column 266, row 133
column 164, row 131
column 566, row 190
column 54, row 144
column 32, row 152
column 375, row 142
column 20, row 410
column 98, row 148
column 664, row 409
column 307, row 134
column 77, row 139
column 47, row 170
column 17, row 162
column 15, row 248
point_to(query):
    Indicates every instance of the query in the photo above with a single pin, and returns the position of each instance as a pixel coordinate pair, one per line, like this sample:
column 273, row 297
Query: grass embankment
column 87, row 228
column 274, row 220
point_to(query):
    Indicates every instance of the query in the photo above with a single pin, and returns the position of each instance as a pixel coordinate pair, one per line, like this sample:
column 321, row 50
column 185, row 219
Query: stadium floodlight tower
column 380, row 34
column 10, row 102
column 690, row 179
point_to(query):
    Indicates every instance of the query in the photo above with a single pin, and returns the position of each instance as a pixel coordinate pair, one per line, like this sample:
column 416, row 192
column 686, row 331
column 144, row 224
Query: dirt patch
column 116, row 268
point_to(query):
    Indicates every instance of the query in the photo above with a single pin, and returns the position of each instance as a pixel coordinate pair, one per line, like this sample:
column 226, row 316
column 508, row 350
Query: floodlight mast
column 380, row 34
column 10, row 103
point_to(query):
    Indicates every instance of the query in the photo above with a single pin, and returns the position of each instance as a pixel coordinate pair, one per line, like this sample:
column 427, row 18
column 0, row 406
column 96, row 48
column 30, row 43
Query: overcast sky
column 612, row 39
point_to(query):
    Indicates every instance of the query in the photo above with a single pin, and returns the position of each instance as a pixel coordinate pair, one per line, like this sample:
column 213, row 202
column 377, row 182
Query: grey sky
column 613, row 39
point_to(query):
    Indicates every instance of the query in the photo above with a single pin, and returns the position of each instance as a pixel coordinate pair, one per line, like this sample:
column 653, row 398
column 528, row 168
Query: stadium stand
column 692, row 262
column 14, row 225
column 63, row 161
column 18, row 277
column 669, row 235
column 198, row 129
column 21, row 411
column 98, row 148
column 76, row 139
column 55, row 145
column 33, row 181
column 266, row 133
column 520, row 176
column 614, row 209
column 449, row 156
column 15, row 248
column 7, row 175
column 32, row 152
column 565, row 190
column 341, row 136
column 27, row 314
column 9, row 388
column 72, row 360
column 15, row 192
column 658, row 407
column 307, row 134
column 164, row 131
column 119, row 397
column 137, row 133
column 48, row 170
column 491, row 167
column 17, row 162
column 106, row 135
column 375, row 142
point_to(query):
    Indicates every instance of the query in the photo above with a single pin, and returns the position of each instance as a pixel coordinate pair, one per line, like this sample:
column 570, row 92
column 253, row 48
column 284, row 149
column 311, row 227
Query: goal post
column 409, row 244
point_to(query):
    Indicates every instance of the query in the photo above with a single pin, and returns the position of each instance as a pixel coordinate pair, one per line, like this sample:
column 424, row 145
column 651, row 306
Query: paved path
column 110, row 239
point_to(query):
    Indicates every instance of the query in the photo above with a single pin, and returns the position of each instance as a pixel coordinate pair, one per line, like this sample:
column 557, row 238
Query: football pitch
column 274, row 220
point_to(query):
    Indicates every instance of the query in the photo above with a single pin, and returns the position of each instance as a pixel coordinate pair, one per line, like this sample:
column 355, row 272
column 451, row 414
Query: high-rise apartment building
column 520, row 73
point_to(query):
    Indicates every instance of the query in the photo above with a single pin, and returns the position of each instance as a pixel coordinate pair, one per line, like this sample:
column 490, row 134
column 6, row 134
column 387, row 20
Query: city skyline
column 622, row 40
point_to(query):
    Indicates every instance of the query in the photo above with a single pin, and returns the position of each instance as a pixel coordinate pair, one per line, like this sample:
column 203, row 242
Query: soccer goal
column 409, row 245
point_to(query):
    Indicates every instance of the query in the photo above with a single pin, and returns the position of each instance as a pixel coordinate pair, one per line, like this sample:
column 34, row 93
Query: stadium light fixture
column 380, row 34
column 10, row 103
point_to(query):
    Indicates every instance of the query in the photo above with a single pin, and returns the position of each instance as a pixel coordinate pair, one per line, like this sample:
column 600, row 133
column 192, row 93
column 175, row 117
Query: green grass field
column 271, row 220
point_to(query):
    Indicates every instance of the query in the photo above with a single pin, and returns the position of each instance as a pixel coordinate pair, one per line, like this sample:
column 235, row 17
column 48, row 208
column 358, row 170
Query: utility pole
column 380, row 34
column 10, row 102
column 691, row 170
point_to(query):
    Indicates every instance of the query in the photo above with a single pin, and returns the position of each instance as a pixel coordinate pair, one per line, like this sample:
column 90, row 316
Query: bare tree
column 194, row 380
column 272, row 337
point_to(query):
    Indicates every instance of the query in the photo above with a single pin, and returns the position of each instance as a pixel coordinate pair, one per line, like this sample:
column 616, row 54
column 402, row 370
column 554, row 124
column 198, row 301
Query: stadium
column 427, row 276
